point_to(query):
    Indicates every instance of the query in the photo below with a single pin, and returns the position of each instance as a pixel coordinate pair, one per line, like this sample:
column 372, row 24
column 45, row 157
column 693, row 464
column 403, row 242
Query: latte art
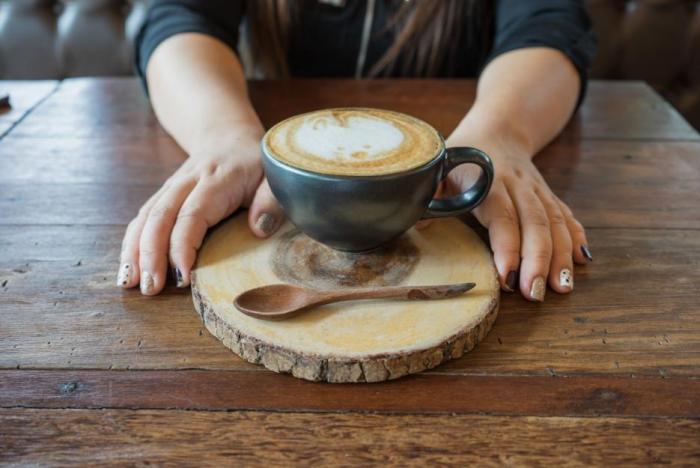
column 353, row 142
column 348, row 138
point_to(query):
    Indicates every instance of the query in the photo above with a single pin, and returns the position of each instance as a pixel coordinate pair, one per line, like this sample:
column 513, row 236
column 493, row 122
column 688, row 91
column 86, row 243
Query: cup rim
column 267, row 154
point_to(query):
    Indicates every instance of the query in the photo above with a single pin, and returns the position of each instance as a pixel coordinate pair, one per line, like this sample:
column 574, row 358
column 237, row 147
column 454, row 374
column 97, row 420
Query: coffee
column 353, row 142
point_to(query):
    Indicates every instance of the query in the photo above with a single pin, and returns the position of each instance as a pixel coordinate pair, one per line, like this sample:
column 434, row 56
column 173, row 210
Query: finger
column 581, row 252
column 424, row 223
column 206, row 205
column 265, row 215
column 155, row 238
column 439, row 193
column 561, row 276
column 128, row 275
column 536, row 245
column 498, row 214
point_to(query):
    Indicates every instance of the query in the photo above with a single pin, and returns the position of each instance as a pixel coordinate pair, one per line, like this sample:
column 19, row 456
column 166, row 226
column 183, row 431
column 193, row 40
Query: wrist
column 498, row 137
column 235, row 139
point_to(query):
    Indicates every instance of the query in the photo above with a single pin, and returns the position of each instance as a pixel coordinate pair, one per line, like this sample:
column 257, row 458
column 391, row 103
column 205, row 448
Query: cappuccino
column 353, row 142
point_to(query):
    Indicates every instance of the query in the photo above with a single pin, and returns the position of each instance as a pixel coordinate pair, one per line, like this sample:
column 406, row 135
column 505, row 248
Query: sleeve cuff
column 154, row 31
column 579, row 53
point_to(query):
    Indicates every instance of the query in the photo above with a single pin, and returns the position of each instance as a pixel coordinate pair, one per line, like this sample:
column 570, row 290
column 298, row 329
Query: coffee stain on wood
column 298, row 259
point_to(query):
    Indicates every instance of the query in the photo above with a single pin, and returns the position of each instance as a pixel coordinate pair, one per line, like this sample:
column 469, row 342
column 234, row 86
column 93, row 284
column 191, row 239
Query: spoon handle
column 441, row 291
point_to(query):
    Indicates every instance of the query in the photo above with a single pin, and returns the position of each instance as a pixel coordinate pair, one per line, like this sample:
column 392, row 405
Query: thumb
column 439, row 193
column 265, row 215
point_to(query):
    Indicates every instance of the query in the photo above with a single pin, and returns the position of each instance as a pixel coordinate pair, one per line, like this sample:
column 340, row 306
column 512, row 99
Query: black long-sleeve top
column 328, row 38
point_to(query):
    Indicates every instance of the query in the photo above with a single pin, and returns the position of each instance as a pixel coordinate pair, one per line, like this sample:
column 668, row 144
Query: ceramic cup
column 360, row 213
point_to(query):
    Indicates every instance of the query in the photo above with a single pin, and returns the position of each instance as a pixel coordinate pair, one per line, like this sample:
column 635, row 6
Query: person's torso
column 327, row 41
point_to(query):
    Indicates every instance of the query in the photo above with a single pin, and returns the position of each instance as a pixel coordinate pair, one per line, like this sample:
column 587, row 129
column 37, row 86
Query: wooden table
column 90, row 373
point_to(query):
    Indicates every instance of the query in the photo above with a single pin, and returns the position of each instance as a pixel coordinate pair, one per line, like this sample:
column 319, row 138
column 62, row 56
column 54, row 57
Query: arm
column 198, row 92
column 524, row 98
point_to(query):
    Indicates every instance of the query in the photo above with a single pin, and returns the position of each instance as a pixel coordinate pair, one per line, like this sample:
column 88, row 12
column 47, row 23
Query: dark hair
column 427, row 34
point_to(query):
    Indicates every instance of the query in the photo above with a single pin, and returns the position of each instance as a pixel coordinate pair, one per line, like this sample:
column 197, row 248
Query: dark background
column 657, row 41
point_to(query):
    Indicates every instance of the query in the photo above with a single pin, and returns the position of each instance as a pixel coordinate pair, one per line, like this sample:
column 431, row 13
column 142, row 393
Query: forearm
column 198, row 91
column 524, row 99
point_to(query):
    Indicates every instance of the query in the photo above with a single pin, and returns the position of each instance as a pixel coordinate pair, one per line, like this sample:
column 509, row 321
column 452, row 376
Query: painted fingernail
column 537, row 289
column 266, row 223
column 512, row 280
column 124, row 274
column 565, row 279
column 178, row 278
column 146, row 282
column 586, row 253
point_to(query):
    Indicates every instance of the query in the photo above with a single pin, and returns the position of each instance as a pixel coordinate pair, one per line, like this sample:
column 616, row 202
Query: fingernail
column 537, row 289
column 146, row 282
column 124, row 274
column 586, row 253
column 512, row 280
column 180, row 282
column 565, row 279
column 266, row 223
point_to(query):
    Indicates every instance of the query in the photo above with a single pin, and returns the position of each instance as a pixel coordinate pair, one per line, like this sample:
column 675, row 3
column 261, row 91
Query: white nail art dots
column 124, row 274
column 565, row 278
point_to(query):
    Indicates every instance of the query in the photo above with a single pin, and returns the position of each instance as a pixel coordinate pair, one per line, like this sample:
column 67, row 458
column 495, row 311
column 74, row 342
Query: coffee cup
column 356, row 178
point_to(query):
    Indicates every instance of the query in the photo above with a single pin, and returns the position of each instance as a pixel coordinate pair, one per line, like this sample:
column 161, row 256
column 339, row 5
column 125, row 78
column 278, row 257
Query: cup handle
column 465, row 201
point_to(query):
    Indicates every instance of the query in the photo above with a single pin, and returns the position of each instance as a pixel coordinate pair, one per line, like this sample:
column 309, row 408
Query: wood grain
column 607, row 375
column 427, row 393
column 276, row 439
column 606, row 183
column 56, row 203
column 632, row 110
column 634, row 311
column 72, row 160
column 88, row 107
column 626, row 184
column 612, row 110
column 24, row 95
column 348, row 342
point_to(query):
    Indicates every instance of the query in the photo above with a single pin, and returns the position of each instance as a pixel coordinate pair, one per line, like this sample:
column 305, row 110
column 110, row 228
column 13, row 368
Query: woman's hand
column 534, row 236
column 171, row 225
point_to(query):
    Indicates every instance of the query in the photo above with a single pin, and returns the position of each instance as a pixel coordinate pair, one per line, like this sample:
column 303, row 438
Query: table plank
column 428, row 393
column 74, row 160
column 633, row 184
column 89, row 107
column 611, row 183
column 61, row 309
column 612, row 109
column 274, row 439
column 617, row 110
column 24, row 95
column 628, row 109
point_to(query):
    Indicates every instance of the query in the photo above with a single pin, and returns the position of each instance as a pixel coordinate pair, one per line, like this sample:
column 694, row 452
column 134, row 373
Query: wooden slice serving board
column 361, row 341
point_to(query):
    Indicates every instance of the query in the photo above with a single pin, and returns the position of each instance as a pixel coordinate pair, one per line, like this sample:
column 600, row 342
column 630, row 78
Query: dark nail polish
column 586, row 253
column 266, row 223
column 179, row 281
column 512, row 280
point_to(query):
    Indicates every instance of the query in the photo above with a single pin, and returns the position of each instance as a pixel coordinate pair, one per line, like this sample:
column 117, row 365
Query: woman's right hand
column 171, row 225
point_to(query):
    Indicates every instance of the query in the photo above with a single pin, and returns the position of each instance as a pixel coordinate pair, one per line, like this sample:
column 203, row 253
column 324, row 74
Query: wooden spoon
column 282, row 301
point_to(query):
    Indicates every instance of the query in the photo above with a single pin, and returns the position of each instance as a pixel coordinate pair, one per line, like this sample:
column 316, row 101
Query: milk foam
column 353, row 141
column 357, row 137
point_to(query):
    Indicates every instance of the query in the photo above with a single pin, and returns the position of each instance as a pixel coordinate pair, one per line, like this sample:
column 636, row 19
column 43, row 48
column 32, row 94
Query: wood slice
column 361, row 341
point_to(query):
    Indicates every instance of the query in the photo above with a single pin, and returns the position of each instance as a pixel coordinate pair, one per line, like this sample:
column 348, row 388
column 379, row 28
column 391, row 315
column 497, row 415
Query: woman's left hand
column 534, row 236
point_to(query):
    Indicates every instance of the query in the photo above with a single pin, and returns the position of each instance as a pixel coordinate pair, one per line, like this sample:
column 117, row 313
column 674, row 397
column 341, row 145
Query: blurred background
column 657, row 41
